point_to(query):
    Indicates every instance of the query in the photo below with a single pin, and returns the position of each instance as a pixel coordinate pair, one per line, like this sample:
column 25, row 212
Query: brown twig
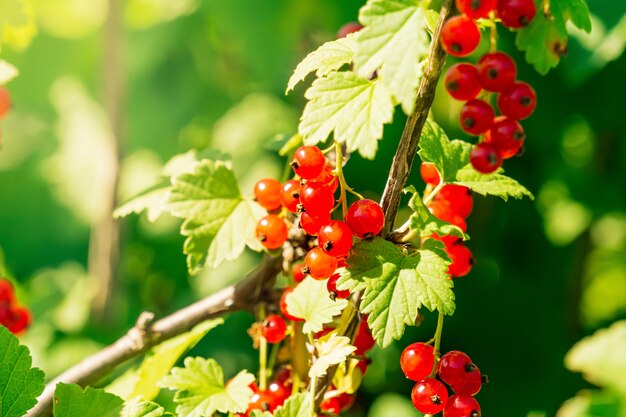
column 399, row 171
column 146, row 334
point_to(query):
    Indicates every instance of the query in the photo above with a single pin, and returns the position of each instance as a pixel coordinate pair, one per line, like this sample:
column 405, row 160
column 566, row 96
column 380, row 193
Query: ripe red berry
column 365, row 218
column 296, row 270
column 429, row 173
column 462, row 81
column 518, row 101
column 283, row 305
column 346, row 400
column 5, row 101
column 459, row 198
column 462, row 260
column 470, row 385
column 331, row 405
column 20, row 319
column 335, row 238
column 272, row 231
column 7, row 295
column 308, row 162
column 268, row 193
column 485, row 158
column 331, row 286
column 319, row 264
column 497, row 71
column 290, row 195
column 441, row 209
column 328, row 178
column 317, row 199
column 278, row 394
column 460, row 36
column 476, row 117
column 417, row 361
column 429, row 396
column 348, row 28
column 461, row 406
column 516, row 14
column 312, row 225
column 476, row 9
column 274, row 328
column 260, row 400
column 363, row 340
column 454, row 367
column 507, row 135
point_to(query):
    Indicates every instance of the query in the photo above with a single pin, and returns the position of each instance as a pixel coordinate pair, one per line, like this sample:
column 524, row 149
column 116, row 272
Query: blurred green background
column 209, row 73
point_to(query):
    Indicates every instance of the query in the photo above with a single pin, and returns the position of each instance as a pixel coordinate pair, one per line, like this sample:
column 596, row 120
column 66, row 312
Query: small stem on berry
column 493, row 33
column 262, row 354
column 342, row 181
column 437, row 347
column 433, row 193
column 272, row 360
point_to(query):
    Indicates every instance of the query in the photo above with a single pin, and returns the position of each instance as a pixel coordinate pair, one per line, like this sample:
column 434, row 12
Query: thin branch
column 146, row 334
column 399, row 171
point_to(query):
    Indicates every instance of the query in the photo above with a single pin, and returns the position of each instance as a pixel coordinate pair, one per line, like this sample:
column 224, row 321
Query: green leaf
column 354, row 108
column 20, row 383
column 71, row 401
column 330, row 351
column 137, row 408
column 495, row 184
column 200, row 389
column 348, row 378
column 545, row 38
column 153, row 201
column 424, row 223
column 327, row 58
column 219, row 222
column 259, row 413
column 295, row 406
column 310, row 301
column 448, row 156
column 397, row 284
column 395, row 42
column 600, row 357
column 594, row 403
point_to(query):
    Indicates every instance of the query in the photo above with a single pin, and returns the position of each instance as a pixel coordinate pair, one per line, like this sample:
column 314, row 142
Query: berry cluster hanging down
column 502, row 136
column 13, row 316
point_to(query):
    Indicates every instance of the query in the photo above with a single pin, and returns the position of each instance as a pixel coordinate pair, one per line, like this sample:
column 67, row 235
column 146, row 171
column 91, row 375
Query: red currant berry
column 5, row 101
column 7, row 295
column 447, row 239
column 312, row 225
column 308, row 162
column 470, row 385
column 485, row 158
column 260, row 400
column 317, row 199
column 346, row 400
column 476, row 9
column 476, row 117
column 441, row 210
column 462, row 81
column 283, row 305
column 516, row 14
column 518, row 101
column 429, row 396
column 319, row 264
column 274, row 328
column 497, row 71
column 365, row 218
column 363, row 340
column 462, row 260
column 507, row 135
column 331, row 405
column 454, row 367
column 328, row 178
column 272, row 231
column 325, row 330
column 362, row 366
column 348, row 28
column 461, row 406
column 290, row 196
column 417, row 361
column 460, row 36
column 296, row 270
column 278, row 394
column 429, row 173
column 268, row 193
column 459, row 198
column 331, row 285
column 335, row 238
column 20, row 320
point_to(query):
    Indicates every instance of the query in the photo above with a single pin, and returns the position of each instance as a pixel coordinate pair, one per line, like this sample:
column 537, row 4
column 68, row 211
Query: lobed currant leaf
column 355, row 109
column 20, row 383
column 495, row 184
column 218, row 222
column 447, row 155
column 310, row 301
column 425, row 223
column 330, row 351
column 397, row 284
column 153, row 201
column 200, row 389
column 70, row 400
column 545, row 38
column 394, row 42
column 329, row 57
column 136, row 408
column 296, row 406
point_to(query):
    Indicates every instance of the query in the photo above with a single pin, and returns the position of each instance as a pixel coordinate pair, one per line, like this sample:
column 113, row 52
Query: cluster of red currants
column 452, row 204
column 495, row 72
column 14, row 317
column 455, row 368
column 5, row 102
